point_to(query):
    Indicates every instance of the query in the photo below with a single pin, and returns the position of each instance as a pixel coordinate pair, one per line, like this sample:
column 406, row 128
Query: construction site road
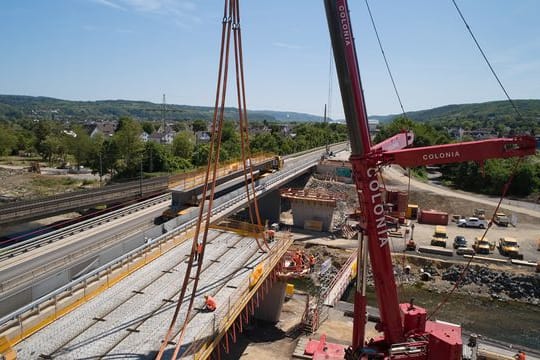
column 523, row 207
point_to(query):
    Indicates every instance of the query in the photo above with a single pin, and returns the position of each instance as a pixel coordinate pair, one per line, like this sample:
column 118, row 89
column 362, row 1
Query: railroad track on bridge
column 39, row 241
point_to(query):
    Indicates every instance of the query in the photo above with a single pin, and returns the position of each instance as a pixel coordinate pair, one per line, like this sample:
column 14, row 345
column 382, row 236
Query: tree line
column 487, row 178
column 125, row 155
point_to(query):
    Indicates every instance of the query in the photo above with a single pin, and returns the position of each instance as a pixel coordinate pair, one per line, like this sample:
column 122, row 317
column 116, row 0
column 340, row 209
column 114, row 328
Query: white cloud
column 180, row 11
column 109, row 3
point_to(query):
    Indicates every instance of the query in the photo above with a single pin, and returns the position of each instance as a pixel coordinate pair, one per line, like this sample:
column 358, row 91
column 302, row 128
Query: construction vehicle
column 172, row 212
column 508, row 246
column 277, row 163
column 479, row 213
column 482, row 245
column 406, row 331
column 439, row 236
column 501, row 219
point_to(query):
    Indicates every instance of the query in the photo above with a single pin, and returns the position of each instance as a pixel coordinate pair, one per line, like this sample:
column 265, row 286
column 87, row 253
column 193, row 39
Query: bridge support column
column 272, row 207
column 270, row 308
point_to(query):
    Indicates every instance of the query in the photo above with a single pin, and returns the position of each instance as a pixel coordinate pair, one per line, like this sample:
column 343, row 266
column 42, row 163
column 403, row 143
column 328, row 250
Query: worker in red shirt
column 209, row 303
column 520, row 355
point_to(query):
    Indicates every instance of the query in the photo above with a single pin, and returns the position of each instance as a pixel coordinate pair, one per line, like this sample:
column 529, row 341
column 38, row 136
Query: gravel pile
column 347, row 202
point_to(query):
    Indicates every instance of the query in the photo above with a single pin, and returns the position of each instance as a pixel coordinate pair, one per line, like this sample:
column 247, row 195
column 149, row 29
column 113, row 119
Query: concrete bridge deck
column 130, row 319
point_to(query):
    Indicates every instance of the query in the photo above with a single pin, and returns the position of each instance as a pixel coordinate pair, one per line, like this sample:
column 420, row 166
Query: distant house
column 144, row 136
column 164, row 135
column 202, row 137
column 487, row 133
column 106, row 129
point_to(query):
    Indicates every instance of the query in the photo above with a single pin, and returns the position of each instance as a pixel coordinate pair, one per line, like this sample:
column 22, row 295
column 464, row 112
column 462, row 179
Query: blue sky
column 141, row 49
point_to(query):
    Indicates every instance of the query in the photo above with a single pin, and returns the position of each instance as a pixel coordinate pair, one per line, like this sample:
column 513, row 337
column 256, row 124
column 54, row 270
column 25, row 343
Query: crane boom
column 460, row 152
column 407, row 334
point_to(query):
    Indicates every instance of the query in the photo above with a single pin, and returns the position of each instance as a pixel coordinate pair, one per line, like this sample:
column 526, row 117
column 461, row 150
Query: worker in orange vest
column 197, row 251
column 209, row 303
column 520, row 355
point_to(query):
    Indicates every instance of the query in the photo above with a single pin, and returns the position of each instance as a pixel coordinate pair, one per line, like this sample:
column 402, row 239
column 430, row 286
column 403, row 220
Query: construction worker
column 312, row 262
column 520, row 355
column 197, row 251
column 209, row 303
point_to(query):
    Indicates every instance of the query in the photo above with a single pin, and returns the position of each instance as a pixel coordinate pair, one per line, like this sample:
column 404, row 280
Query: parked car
column 460, row 241
column 473, row 222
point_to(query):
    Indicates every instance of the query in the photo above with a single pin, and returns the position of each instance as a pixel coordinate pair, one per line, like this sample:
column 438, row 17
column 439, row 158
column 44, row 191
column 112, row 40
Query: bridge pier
column 269, row 309
column 272, row 207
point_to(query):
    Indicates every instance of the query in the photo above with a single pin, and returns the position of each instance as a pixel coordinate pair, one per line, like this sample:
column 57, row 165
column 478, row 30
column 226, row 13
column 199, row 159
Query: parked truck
column 439, row 236
column 482, row 246
column 509, row 246
column 501, row 219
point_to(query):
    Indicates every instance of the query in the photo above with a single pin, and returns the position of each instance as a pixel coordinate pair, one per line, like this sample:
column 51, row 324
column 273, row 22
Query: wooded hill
column 15, row 107
column 494, row 114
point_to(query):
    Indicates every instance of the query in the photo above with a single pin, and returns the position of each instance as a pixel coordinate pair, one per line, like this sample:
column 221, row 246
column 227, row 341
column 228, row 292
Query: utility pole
column 163, row 110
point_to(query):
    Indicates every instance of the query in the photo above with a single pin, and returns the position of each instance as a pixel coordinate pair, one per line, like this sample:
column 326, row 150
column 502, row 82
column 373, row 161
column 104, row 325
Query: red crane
column 406, row 332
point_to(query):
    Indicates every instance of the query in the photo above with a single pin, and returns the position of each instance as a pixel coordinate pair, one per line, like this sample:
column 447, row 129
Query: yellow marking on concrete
column 6, row 350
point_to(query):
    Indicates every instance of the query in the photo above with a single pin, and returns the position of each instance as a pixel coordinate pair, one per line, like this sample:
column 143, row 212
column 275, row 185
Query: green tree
column 8, row 140
column 200, row 155
column 198, row 125
column 129, row 145
column 183, row 145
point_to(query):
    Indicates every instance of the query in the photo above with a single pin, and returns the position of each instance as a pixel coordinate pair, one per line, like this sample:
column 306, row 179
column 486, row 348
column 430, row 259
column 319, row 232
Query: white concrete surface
column 77, row 335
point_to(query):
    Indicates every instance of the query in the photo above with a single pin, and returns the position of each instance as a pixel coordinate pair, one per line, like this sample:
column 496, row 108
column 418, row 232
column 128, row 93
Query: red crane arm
column 460, row 152
column 396, row 142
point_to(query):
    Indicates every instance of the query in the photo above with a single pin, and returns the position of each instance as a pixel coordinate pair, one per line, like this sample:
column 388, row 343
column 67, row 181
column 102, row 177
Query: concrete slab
column 130, row 319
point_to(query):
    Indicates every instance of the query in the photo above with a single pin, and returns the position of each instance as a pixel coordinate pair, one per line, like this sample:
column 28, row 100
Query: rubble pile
column 499, row 284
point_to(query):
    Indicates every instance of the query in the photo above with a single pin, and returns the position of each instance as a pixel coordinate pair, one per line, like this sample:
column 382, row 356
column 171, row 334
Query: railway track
column 156, row 312
column 42, row 240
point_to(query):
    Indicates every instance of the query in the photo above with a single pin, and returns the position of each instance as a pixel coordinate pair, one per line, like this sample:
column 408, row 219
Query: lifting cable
column 464, row 271
column 487, row 61
column 230, row 22
column 213, row 159
column 403, row 112
column 506, row 185
column 243, row 123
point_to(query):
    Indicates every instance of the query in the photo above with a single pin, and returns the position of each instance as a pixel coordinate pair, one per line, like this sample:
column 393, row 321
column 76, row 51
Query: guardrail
column 32, row 209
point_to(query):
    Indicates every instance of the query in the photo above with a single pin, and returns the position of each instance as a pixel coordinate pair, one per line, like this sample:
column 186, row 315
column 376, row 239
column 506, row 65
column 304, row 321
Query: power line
column 385, row 59
column 487, row 61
